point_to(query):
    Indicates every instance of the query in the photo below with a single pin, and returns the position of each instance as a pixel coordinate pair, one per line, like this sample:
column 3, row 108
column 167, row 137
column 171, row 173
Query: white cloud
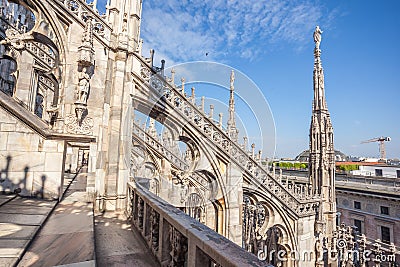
column 184, row 30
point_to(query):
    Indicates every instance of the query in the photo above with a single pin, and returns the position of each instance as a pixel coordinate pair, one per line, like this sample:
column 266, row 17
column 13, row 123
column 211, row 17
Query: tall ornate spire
column 232, row 130
column 322, row 154
column 319, row 91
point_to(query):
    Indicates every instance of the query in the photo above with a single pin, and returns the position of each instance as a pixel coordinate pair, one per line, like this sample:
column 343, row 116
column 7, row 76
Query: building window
column 357, row 223
column 398, row 173
column 378, row 172
column 385, row 234
column 384, row 210
column 357, row 205
column 39, row 106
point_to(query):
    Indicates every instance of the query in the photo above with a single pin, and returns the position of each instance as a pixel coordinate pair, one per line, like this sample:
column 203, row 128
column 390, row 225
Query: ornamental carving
column 73, row 125
column 86, row 50
column 179, row 247
column 254, row 218
column 154, row 229
column 16, row 39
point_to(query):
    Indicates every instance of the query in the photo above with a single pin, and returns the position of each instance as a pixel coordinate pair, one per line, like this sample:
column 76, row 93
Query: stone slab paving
column 20, row 219
column 117, row 244
column 27, row 209
column 5, row 198
column 67, row 238
column 11, row 230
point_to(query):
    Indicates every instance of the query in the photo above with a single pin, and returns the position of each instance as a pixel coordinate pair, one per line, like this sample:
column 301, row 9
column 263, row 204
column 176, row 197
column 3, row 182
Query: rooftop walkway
column 36, row 232
column 67, row 237
column 20, row 220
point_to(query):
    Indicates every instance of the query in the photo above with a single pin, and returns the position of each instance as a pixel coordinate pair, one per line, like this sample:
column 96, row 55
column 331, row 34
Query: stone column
column 234, row 200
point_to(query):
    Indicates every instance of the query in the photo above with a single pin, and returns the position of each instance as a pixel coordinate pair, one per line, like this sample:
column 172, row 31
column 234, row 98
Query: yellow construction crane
column 381, row 141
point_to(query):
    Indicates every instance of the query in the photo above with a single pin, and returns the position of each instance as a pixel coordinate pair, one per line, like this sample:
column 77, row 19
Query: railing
column 176, row 239
column 156, row 146
column 162, row 91
column 81, row 10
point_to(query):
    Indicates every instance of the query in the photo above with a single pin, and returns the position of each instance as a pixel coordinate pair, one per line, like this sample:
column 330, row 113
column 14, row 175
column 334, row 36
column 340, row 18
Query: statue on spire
column 317, row 36
column 232, row 79
column 232, row 130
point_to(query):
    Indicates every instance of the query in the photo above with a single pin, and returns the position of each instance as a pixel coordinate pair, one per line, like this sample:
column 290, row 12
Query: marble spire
column 322, row 154
column 231, row 129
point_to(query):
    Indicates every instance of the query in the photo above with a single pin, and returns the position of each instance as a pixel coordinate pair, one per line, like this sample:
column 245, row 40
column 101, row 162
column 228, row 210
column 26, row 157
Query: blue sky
column 271, row 42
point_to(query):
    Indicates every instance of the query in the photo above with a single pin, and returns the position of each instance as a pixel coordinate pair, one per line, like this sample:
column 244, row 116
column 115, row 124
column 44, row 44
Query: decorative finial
column 232, row 80
column 245, row 143
column 211, row 111
column 183, row 86
column 193, row 97
column 162, row 67
column 231, row 129
column 140, row 46
column 173, row 76
column 220, row 120
column 317, row 37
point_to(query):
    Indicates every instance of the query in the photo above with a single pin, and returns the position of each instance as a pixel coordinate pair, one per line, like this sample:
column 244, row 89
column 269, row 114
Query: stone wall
column 28, row 162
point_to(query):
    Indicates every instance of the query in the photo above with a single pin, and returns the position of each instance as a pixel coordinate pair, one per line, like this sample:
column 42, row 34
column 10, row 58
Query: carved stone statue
column 319, row 249
column 83, row 86
column 317, row 37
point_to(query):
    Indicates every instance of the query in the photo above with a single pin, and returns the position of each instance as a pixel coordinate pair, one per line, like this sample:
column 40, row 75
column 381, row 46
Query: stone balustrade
column 177, row 239
column 81, row 10
column 158, row 147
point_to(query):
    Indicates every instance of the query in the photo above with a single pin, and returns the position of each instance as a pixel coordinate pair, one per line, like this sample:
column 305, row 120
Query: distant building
column 378, row 170
column 304, row 156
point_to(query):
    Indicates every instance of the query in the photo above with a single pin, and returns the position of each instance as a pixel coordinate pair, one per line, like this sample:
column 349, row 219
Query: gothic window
column 195, row 206
column 39, row 105
column 7, row 80
column 16, row 15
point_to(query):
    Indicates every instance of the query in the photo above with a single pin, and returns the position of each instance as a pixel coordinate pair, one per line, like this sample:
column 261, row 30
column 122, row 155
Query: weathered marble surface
column 119, row 245
column 68, row 235
column 20, row 219
column 5, row 198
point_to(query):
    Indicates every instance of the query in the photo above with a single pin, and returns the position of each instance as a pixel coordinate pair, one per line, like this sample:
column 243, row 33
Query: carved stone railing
column 81, row 10
column 162, row 91
column 41, row 52
column 176, row 239
column 175, row 160
column 154, row 144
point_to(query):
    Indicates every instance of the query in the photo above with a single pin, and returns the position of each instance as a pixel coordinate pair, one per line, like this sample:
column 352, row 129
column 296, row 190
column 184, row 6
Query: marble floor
column 67, row 238
column 35, row 232
column 20, row 220
column 117, row 244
